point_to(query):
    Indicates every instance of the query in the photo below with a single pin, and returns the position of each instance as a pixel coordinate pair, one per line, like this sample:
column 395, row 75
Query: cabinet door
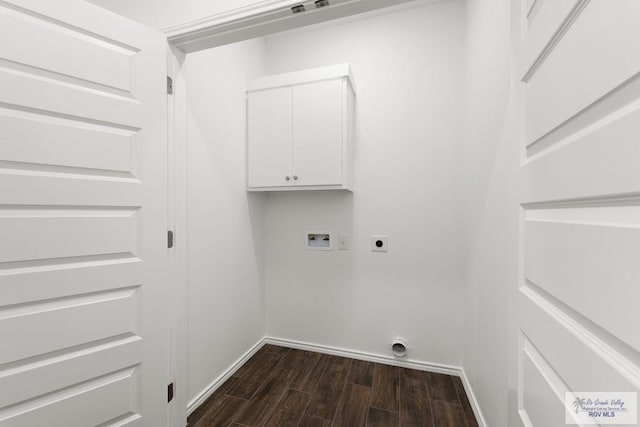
column 317, row 133
column 270, row 137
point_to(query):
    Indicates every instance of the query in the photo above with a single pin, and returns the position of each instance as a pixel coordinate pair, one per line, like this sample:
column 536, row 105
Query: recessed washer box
column 318, row 241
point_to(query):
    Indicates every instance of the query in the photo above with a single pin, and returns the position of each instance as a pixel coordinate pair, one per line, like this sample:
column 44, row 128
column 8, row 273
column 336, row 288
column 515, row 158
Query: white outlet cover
column 379, row 243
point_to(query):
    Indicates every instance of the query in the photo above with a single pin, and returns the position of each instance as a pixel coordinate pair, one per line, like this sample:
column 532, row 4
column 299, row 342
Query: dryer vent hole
column 399, row 349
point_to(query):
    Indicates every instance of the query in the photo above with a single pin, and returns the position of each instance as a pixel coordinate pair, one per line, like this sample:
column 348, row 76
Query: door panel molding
column 580, row 199
column 83, row 215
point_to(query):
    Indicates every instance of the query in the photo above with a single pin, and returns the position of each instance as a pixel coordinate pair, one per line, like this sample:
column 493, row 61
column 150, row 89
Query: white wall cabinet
column 300, row 130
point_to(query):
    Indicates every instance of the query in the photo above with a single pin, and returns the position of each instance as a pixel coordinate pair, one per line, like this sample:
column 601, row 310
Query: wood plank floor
column 282, row 387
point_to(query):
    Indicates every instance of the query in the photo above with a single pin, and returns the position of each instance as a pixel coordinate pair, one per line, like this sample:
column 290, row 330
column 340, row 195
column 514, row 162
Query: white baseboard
column 353, row 354
column 369, row 357
column 472, row 399
column 208, row 391
column 389, row 360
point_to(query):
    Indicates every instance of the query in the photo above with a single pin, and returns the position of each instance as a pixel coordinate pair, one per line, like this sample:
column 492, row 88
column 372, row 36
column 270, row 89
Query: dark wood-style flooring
column 282, row 387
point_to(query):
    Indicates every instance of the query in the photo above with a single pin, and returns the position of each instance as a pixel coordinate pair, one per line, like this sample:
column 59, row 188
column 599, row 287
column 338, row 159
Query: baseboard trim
column 369, row 357
column 354, row 354
column 388, row 360
column 472, row 399
column 211, row 388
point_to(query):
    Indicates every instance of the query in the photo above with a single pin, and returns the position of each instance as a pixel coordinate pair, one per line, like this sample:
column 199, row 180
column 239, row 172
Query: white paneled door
column 578, row 316
column 83, row 334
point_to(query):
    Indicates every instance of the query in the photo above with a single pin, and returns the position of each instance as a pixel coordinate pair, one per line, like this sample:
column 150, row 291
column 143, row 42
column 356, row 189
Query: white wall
column 409, row 72
column 493, row 158
column 226, row 225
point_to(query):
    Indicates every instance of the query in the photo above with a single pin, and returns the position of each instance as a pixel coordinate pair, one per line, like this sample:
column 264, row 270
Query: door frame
column 260, row 19
column 265, row 17
column 516, row 269
column 177, row 151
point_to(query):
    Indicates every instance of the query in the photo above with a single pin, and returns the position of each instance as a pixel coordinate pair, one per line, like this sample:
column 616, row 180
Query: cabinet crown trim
column 301, row 77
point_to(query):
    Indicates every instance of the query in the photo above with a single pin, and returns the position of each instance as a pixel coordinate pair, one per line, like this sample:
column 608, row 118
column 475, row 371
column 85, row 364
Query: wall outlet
column 379, row 243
